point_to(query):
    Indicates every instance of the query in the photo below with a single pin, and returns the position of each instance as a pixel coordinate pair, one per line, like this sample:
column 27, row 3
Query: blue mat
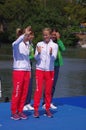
column 70, row 115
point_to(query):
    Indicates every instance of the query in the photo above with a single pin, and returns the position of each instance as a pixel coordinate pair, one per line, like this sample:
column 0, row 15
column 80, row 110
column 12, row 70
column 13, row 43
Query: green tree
column 65, row 15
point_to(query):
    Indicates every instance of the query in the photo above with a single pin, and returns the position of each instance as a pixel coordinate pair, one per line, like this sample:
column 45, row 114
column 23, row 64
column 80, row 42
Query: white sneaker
column 30, row 107
column 25, row 108
column 43, row 106
column 53, row 106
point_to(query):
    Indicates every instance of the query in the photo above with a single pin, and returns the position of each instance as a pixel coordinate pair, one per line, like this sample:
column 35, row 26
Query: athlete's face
column 31, row 37
column 26, row 38
column 46, row 36
column 53, row 36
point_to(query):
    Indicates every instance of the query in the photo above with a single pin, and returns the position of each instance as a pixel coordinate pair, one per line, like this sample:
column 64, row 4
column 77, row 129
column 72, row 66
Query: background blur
column 69, row 17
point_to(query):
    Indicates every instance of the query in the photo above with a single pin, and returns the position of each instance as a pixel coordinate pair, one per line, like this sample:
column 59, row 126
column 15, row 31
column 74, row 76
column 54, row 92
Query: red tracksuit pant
column 20, row 89
column 46, row 78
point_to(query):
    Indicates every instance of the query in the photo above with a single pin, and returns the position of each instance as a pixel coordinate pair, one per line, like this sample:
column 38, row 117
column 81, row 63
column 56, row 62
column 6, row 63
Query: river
column 72, row 76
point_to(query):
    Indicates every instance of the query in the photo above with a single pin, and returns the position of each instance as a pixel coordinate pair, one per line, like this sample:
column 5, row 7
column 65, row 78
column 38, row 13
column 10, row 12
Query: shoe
column 22, row 115
column 48, row 113
column 15, row 116
column 43, row 106
column 30, row 107
column 36, row 114
column 53, row 106
column 25, row 108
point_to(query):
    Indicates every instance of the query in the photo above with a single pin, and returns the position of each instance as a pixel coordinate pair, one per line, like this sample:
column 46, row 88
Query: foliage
column 4, row 37
column 62, row 14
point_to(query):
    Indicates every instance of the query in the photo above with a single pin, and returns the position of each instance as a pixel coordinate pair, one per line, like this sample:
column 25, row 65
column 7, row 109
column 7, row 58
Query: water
column 71, row 81
column 72, row 78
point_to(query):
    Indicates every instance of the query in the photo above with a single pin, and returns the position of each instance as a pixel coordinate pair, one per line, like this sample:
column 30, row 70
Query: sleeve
column 61, row 45
column 18, row 40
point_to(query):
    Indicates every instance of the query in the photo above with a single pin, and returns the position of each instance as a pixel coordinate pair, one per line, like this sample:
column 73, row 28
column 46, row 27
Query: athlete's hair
column 47, row 29
column 54, row 30
column 19, row 32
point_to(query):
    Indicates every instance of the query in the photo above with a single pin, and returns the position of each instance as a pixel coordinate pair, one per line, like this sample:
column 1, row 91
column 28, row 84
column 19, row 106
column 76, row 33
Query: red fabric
column 20, row 89
column 43, row 79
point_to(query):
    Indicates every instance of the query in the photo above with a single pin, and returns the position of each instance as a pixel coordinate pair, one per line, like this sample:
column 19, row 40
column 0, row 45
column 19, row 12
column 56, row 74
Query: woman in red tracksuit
column 45, row 55
column 21, row 76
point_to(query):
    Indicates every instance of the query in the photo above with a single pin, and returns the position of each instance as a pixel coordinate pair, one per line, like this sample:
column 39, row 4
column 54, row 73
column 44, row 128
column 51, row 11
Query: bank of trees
column 65, row 15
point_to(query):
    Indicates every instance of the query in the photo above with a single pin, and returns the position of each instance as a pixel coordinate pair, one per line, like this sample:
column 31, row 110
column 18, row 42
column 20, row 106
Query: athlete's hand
column 39, row 49
column 50, row 50
column 28, row 30
column 58, row 35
